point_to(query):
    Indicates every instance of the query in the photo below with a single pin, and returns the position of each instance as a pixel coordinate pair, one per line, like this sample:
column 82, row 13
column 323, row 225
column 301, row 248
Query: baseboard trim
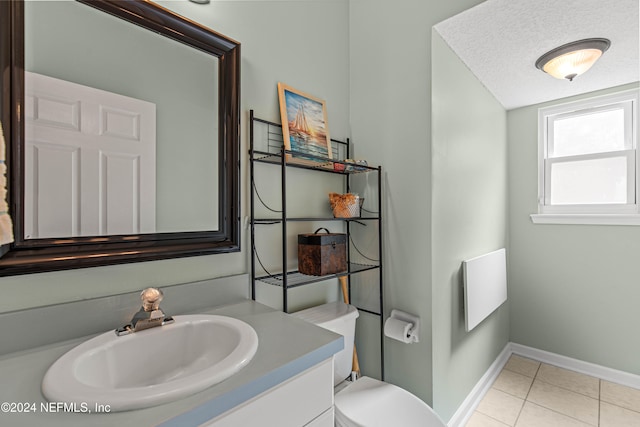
column 587, row 368
column 465, row 410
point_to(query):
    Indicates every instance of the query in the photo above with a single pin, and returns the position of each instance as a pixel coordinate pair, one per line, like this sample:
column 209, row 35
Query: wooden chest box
column 320, row 254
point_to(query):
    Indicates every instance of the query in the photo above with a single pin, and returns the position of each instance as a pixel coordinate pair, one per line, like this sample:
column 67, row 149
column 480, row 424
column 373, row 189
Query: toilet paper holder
column 409, row 318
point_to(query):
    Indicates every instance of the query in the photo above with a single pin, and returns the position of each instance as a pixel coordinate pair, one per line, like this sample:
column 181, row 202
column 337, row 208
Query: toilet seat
column 368, row 402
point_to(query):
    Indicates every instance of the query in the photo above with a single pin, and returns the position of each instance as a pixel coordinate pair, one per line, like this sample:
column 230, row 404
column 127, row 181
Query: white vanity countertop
column 287, row 346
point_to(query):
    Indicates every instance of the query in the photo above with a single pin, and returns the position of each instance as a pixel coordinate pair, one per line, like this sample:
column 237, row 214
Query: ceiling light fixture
column 572, row 59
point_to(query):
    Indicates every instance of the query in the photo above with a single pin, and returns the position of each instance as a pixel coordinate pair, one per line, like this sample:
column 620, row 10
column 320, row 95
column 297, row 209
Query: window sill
column 586, row 219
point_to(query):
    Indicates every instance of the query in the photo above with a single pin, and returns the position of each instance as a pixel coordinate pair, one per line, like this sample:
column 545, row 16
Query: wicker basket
column 346, row 206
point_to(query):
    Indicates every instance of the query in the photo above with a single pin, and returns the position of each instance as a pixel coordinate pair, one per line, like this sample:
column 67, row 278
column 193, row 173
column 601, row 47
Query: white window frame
column 611, row 214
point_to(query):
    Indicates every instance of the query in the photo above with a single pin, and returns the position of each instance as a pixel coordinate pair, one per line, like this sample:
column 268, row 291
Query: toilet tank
column 340, row 318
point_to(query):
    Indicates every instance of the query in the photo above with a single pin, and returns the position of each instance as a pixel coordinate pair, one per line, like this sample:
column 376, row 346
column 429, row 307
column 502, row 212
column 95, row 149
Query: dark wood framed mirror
column 50, row 253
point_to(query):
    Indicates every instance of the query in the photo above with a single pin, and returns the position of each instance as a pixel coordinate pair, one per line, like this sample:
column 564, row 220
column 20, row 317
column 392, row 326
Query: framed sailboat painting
column 304, row 126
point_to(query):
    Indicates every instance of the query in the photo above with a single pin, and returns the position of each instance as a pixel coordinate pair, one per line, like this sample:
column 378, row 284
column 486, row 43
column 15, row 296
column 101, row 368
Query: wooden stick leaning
column 345, row 294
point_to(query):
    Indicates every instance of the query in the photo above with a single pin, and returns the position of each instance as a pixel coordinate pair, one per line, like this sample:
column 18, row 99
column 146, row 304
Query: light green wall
column 303, row 44
column 573, row 289
column 390, row 95
column 281, row 41
column 469, row 218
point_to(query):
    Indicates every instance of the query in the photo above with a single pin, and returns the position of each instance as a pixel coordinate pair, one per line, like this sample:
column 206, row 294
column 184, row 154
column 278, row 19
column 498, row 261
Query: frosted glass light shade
column 572, row 64
column 572, row 59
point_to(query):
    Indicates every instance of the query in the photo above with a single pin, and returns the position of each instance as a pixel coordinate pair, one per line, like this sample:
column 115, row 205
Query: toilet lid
column 372, row 403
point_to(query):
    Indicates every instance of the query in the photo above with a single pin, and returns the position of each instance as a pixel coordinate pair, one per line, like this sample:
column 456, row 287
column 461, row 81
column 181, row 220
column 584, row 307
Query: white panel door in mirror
column 90, row 161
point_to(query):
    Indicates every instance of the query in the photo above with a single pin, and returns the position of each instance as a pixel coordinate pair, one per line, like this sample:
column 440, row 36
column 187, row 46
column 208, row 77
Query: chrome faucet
column 150, row 314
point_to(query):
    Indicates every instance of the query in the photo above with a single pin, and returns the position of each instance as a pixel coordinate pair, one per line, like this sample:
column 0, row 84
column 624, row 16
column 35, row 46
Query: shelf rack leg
column 252, row 213
column 285, row 302
column 381, row 276
column 348, row 181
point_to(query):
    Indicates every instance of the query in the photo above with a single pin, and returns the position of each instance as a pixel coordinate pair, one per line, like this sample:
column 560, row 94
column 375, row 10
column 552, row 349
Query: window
column 588, row 161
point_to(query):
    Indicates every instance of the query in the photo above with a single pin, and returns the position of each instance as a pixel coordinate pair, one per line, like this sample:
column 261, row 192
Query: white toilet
column 366, row 402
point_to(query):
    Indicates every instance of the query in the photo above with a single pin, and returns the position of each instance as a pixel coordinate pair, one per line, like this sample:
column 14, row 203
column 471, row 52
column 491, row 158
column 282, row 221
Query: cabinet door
column 324, row 420
column 294, row 403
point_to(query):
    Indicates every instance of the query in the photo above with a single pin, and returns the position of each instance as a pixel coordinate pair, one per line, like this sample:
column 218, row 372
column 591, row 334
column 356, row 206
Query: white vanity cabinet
column 304, row 400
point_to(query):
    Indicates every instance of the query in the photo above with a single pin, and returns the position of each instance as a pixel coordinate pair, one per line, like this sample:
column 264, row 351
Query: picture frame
column 304, row 126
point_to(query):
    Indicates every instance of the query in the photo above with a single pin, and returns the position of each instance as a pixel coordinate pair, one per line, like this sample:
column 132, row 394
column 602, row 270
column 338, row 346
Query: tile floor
column 528, row 393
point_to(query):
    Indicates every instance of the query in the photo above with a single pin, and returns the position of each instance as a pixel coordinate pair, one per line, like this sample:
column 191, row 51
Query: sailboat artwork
column 299, row 126
column 304, row 126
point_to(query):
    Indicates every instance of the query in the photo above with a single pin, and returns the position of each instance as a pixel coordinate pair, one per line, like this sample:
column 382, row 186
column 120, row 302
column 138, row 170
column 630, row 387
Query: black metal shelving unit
column 274, row 153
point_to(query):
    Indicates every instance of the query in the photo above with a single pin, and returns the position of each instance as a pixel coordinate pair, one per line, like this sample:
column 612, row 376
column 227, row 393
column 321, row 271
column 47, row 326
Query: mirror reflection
column 121, row 129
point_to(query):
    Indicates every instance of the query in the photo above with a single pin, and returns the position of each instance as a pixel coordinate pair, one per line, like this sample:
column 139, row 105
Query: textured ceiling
column 500, row 41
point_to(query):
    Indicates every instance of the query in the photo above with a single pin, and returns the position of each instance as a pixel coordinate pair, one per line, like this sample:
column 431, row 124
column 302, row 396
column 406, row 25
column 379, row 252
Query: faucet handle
column 149, row 315
column 151, row 298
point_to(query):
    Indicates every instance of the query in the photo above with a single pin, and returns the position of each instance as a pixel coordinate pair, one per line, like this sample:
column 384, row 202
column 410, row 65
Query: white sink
column 153, row 366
